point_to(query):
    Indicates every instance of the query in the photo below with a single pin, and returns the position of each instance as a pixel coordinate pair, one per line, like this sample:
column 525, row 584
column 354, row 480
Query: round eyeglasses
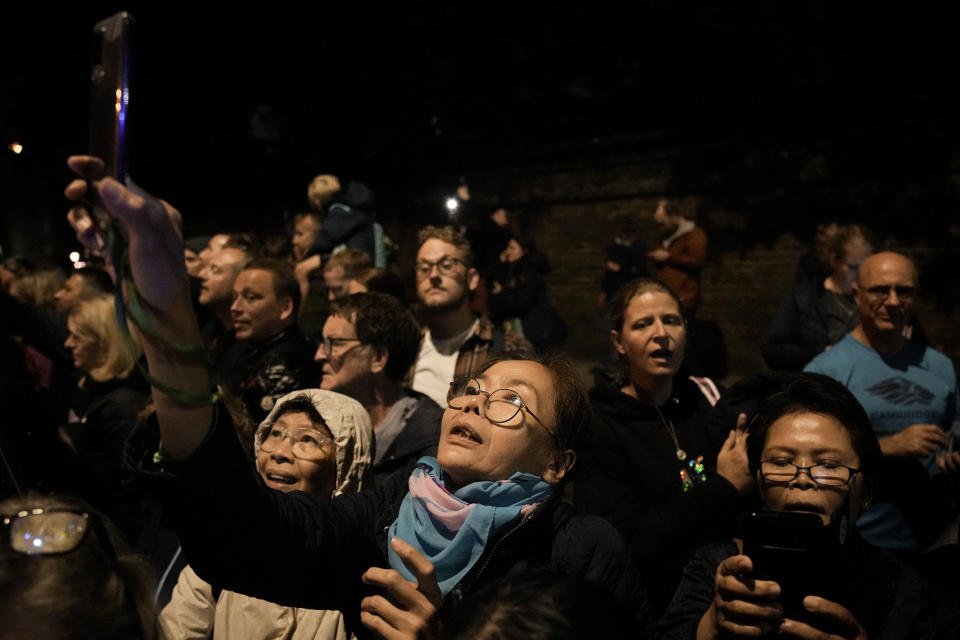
column 827, row 474
column 499, row 406
column 446, row 266
column 306, row 443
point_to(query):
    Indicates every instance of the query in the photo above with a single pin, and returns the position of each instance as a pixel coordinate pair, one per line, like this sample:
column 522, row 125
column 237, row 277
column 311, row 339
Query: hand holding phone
column 742, row 606
column 110, row 102
column 786, row 547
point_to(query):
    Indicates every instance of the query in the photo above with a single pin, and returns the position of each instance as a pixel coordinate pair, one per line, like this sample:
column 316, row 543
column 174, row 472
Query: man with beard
column 455, row 342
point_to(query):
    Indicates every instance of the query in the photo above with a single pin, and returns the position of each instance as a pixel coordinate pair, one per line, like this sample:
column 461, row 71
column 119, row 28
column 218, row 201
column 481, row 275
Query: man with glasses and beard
column 910, row 394
column 454, row 342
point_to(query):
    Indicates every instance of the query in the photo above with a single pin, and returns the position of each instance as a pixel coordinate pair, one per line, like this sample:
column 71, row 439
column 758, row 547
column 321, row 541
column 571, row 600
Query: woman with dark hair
column 813, row 451
column 655, row 469
column 66, row 573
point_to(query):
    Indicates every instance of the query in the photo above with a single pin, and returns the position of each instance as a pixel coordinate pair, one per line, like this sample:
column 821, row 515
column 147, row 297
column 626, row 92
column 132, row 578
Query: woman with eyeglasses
column 814, row 454
column 315, row 441
column 664, row 475
column 67, row 573
column 390, row 559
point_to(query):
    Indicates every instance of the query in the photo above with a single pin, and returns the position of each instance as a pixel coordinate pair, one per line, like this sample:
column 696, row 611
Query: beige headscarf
column 349, row 423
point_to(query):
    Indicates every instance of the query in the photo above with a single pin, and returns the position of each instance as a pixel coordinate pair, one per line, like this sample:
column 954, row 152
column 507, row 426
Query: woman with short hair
column 814, row 455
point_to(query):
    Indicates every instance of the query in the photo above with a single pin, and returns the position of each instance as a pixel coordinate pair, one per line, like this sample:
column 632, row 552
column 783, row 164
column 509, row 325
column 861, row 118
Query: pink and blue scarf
column 451, row 530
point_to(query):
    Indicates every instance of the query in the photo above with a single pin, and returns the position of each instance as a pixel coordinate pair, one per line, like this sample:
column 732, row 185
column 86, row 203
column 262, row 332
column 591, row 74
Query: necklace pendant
column 681, row 455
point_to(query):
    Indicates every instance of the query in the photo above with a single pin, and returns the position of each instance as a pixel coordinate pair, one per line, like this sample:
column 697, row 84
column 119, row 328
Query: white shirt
column 437, row 362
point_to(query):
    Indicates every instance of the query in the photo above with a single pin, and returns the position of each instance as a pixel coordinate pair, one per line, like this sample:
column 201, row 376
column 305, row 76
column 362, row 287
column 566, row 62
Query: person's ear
column 473, row 279
column 379, row 360
column 617, row 344
column 857, row 293
column 287, row 309
column 560, row 465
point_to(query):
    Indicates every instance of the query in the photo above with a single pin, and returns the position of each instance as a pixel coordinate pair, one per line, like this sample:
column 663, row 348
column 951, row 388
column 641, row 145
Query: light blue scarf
column 451, row 530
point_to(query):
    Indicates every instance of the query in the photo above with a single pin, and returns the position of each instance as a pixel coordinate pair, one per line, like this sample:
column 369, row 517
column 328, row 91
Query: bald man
column 910, row 394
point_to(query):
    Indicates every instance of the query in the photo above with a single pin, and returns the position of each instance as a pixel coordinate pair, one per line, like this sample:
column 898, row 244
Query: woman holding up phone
column 813, row 451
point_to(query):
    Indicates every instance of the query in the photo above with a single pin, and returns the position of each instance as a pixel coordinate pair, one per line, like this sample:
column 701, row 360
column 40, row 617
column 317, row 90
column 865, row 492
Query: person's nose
column 283, row 450
column 235, row 307
column 473, row 404
column 804, row 478
column 893, row 300
column 660, row 331
column 321, row 354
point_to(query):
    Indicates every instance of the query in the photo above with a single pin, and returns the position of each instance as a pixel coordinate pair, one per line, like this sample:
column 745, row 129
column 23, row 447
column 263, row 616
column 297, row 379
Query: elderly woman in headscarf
column 315, row 441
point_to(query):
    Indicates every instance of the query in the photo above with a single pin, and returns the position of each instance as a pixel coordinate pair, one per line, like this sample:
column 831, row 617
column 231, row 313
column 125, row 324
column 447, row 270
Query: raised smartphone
column 110, row 93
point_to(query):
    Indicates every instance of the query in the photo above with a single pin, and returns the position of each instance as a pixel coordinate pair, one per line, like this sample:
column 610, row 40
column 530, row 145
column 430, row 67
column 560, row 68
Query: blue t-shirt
column 918, row 385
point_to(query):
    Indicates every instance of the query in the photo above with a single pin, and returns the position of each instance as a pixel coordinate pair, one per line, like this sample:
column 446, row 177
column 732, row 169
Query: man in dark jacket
column 369, row 342
column 270, row 357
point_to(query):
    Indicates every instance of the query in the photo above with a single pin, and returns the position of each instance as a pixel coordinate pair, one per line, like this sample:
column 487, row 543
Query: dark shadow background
column 786, row 113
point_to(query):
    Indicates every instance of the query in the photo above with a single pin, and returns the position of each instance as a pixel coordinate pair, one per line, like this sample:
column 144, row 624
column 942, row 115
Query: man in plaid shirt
column 455, row 342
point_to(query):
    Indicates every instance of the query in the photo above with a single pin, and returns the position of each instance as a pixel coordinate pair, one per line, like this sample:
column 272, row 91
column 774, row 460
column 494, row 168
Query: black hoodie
column 631, row 476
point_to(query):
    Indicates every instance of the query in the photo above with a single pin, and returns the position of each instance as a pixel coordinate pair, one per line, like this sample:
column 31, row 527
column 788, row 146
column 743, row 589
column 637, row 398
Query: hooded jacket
column 197, row 609
column 631, row 477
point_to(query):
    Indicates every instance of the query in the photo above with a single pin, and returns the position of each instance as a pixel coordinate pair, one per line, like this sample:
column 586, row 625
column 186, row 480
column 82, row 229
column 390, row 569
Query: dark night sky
column 237, row 108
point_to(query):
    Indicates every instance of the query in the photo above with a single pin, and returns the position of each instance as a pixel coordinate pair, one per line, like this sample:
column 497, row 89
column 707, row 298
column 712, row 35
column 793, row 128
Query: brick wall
column 571, row 210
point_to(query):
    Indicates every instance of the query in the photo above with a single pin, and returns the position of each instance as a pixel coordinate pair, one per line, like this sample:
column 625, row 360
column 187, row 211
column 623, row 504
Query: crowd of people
column 253, row 436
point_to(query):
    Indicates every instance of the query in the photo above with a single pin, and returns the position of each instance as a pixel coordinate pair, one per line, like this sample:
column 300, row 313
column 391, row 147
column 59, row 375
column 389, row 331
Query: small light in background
column 74, row 256
column 16, row 147
column 452, row 205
